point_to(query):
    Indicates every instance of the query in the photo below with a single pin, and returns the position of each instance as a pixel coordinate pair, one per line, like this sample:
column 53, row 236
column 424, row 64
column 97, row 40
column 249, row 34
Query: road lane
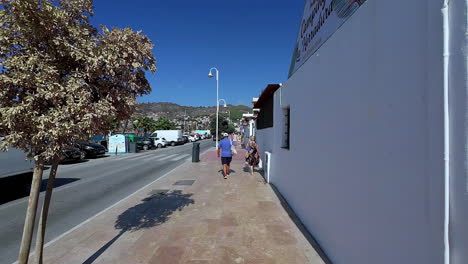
column 94, row 185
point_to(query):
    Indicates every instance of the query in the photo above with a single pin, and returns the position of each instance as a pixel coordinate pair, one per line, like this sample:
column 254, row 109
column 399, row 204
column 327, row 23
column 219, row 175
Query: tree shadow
column 57, row 183
column 153, row 211
column 98, row 157
column 73, row 161
column 19, row 186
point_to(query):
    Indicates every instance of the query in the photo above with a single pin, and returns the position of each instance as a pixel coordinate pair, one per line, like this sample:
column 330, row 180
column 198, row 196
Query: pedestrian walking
column 252, row 157
column 233, row 145
column 225, row 152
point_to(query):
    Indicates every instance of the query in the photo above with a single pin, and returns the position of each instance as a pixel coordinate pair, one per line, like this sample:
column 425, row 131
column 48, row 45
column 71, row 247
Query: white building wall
column 458, row 90
column 364, row 171
column 265, row 142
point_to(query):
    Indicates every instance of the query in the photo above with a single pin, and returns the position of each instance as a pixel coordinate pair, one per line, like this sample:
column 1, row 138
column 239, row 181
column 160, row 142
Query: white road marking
column 168, row 157
column 150, row 157
column 180, row 157
column 136, row 156
column 121, row 157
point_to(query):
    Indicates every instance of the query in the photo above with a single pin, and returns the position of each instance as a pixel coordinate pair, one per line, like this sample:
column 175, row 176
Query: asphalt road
column 86, row 188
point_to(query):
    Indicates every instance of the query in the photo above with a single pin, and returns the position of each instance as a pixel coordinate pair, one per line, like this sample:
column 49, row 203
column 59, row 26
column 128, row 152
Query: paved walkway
column 192, row 215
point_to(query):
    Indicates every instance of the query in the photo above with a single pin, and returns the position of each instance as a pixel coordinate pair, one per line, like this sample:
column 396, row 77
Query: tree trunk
column 125, row 127
column 31, row 212
column 38, row 253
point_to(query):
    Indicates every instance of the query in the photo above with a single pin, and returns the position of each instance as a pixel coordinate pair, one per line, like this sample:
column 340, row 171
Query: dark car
column 144, row 143
column 73, row 153
column 186, row 139
column 91, row 149
column 100, row 139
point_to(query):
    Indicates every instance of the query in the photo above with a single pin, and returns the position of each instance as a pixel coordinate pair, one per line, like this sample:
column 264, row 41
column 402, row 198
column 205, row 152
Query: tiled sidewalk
column 238, row 220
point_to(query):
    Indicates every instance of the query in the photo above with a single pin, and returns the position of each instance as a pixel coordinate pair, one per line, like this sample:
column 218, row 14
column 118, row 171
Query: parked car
column 144, row 143
column 186, row 139
column 99, row 139
column 73, row 153
column 192, row 139
column 160, row 142
column 91, row 149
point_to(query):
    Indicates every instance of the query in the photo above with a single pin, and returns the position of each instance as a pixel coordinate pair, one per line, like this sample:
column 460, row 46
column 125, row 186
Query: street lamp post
column 229, row 112
column 185, row 118
column 210, row 75
column 225, row 104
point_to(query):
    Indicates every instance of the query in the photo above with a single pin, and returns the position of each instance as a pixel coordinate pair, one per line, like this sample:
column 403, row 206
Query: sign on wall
column 321, row 18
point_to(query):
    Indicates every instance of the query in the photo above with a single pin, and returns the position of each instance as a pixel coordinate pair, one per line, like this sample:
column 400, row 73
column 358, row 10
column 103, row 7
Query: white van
column 173, row 137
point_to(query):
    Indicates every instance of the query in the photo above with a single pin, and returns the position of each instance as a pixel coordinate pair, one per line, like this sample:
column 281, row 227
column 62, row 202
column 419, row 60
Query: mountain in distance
column 175, row 111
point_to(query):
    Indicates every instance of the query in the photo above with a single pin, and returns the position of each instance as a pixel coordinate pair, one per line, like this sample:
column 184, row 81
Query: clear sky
column 249, row 41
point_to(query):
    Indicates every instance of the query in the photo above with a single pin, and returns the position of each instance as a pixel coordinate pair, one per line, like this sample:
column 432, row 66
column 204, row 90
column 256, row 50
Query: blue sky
column 250, row 42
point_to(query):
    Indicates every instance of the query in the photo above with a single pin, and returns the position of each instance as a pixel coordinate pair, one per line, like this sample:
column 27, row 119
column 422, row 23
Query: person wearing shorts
column 224, row 151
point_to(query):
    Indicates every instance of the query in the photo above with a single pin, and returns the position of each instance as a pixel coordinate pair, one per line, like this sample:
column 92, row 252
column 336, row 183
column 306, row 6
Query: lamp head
column 210, row 75
column 225, row 105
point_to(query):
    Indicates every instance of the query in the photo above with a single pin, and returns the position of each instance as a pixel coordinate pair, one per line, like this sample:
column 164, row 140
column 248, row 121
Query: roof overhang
column 267, row 93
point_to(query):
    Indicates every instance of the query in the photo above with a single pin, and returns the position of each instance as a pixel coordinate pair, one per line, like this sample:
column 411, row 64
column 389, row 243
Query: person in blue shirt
column 224, row 151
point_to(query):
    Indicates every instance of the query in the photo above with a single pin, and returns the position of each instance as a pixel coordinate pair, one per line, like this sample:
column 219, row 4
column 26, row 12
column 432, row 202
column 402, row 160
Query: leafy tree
column 164, row 123
column 62, row 80
column 230, row 128
column 237, row 111
column 114, row 124
column 144, row 124
column 224, row 126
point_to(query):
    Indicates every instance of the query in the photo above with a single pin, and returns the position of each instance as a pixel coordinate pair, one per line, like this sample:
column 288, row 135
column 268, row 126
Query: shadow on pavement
column 18, row 186
column 69, row 162
column 99, row 157
column 58, row 182
column 154, row 210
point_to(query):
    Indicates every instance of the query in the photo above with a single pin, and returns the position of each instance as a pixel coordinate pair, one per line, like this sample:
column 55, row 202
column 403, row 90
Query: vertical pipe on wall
column 281, row 96
column 446, row 133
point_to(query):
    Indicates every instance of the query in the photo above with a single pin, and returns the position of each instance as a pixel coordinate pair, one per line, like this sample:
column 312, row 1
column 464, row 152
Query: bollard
column 196, row 152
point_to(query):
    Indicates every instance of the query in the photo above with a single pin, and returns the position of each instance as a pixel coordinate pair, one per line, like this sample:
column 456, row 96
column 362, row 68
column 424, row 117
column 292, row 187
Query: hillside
column 175, row 111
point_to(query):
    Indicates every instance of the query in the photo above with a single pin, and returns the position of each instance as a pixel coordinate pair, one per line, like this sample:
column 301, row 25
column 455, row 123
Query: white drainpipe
column 445, row 15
